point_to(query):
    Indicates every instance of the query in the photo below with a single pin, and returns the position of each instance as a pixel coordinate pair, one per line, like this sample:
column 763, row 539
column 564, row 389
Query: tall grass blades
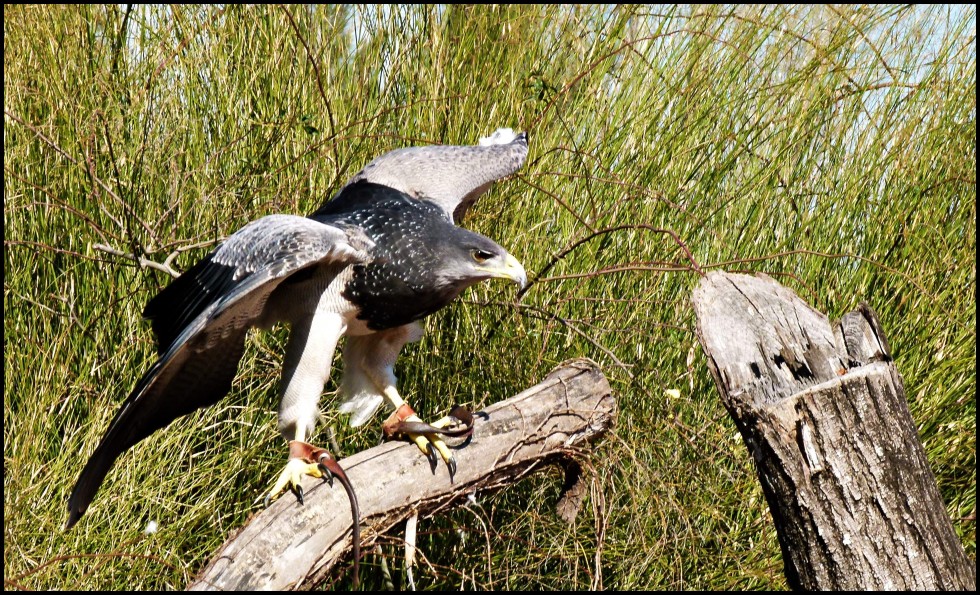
column 833, row 148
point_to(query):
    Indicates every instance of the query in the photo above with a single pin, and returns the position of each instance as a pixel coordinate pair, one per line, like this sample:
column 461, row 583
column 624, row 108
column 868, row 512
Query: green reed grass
column 833, row 148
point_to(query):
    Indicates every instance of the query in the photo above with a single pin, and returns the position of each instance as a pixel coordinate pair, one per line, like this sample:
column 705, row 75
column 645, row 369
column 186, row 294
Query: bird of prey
column 369, row 264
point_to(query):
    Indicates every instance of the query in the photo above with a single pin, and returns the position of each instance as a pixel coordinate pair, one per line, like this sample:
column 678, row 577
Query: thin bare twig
column 596, row 233
column 144, row 263
column 319, row 80
column 558, row 200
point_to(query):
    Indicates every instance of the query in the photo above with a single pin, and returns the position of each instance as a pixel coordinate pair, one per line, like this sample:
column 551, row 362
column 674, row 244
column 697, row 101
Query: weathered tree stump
column 290, row 546
column 822, row 409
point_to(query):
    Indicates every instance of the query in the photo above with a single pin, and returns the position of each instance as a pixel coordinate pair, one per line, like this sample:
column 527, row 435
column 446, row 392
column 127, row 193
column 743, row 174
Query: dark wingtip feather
column 89, row 482
column 179, row 303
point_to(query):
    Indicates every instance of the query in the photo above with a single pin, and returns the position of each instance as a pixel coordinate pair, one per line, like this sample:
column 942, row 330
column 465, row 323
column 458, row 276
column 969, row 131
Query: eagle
column 379, row 256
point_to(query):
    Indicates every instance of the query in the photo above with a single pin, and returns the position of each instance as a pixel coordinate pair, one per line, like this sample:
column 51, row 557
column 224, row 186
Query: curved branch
column 290, row 546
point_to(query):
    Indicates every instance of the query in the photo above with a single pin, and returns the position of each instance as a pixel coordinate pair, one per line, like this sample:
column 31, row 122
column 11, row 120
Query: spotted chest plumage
column 403, row 281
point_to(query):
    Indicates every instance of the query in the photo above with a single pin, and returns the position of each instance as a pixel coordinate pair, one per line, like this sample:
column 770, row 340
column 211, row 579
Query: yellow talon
column 421, row 441
column 290, row 477
column 442, row 423
column 439, row 443
column 424, row 441
column 428, row 443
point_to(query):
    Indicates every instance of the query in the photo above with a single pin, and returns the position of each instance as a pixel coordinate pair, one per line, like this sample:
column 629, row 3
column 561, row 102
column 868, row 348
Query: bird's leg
column 304, row 459
column 405, row 415
column 405, row 421
column 459, row 417
column 306, row 367
column 376, row 360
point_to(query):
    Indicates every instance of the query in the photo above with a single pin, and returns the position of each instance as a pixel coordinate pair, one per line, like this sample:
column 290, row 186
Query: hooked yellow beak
column 509, row 269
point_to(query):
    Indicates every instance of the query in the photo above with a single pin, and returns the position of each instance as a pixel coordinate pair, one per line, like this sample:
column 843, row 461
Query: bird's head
column 471, row 258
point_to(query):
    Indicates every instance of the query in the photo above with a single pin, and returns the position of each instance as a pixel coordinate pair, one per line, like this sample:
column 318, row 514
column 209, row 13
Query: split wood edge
column 822, row 409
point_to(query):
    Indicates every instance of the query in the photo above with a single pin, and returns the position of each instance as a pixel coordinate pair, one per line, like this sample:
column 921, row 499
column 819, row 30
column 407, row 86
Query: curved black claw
column 298, row 490
column 464, row 443
column 433, row 458
column 329, row 469
column 327, row 474
column 451, row 465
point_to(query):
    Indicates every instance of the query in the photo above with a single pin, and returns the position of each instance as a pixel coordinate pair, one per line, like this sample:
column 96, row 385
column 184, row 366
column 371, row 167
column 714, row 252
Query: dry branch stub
column 291, row 546
column 822, row 409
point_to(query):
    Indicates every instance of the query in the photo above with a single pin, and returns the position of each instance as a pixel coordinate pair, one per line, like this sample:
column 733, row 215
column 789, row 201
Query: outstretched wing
column 201, row 325
column 453, row 177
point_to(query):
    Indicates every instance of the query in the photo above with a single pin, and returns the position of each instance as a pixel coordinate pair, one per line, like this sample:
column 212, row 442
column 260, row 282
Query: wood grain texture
column 291, row 546
column 822, row 410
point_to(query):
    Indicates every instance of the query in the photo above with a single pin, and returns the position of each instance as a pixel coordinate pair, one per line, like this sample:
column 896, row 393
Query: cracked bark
column 822, row 410
column 289, row 546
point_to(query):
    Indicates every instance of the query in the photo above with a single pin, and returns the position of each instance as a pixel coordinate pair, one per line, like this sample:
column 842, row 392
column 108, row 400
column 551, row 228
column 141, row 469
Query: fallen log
column 293, row 546
column 822, row 409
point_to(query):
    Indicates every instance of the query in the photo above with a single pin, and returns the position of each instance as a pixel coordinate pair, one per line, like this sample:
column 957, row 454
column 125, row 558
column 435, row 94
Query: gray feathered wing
column 201, row 320
column 451, row 176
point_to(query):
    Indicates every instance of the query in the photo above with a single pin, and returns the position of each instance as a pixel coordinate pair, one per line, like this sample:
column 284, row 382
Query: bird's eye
column 481, row 256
